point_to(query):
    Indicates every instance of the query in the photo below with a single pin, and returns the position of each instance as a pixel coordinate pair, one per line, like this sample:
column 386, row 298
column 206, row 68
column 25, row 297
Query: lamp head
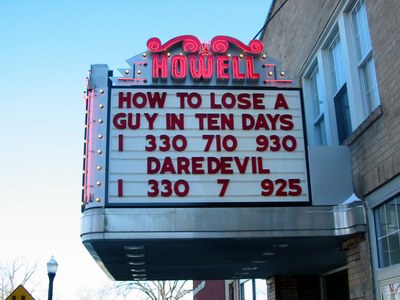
column 52, row 266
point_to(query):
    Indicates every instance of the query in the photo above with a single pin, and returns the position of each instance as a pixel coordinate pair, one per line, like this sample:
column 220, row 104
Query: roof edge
column 271, row 8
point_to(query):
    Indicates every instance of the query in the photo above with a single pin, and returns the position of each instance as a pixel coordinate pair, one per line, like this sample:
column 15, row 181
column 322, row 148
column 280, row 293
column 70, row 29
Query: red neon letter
column 222, row 66
column 250, row 68
column 178, row 67
column 160, row 66
column 236, row 69
column 204, row 70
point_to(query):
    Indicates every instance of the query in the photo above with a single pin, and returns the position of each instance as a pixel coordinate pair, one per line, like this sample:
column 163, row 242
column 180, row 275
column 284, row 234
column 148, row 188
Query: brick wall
column 282, row 288
column 271, row 291
column 294, row 31
column 376, row 152
column 288, row 288
column 359, row 269
column 293, row 288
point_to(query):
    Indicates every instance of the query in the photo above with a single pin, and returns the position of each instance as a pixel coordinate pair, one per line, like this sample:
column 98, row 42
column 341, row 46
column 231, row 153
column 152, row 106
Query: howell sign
column 206, row 62
column 192, row 124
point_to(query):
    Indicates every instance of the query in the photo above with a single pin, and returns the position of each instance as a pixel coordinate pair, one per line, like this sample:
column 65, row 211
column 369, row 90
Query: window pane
column 261, row 289
column 320, row 132
column 315, row 85
column 365, row 60
column 391, row 217
column 391, row 291
column 318, row 107
column 380, row 218
column 248, row 290
column 370, row 85
column 383, row 249
column 398, row 211
column 388, row 232
column 336, row 62
column 361, row 31
column 343, row 119
column 394, row 248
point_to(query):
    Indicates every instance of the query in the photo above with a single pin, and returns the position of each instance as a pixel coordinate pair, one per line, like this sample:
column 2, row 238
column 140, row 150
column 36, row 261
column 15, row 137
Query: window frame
column 364, row 61
column 334, row 65
column 381, row 237
column 388, row 274
column 255, row 293
column 318, row 120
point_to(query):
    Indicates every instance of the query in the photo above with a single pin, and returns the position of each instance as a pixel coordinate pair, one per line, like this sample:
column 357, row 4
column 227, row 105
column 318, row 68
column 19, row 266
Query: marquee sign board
column 196, row 124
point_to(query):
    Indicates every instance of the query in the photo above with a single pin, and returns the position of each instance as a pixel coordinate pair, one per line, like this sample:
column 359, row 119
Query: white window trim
column 311, row 135
column 361, row 65
column 358, row 107
column 324, row 59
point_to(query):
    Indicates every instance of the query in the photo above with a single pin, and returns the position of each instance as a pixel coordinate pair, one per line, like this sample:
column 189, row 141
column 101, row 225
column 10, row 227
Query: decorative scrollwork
column 190, row 44
column 220, row 44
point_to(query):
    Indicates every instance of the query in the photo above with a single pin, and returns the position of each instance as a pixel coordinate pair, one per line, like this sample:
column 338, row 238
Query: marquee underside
column 190, row 243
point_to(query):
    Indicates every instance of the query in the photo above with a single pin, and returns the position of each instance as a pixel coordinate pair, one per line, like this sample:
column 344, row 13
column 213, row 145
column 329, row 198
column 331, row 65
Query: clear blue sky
column 47, row 47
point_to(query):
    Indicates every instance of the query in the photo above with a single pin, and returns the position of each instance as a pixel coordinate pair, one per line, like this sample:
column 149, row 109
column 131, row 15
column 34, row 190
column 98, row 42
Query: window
column 391, row 291
column 343, row 120
column 318, row 107
column 365, row 60
column 339, row 89
column 246, row 289
column 338, row 77
column 387, row 224
column 253, row 289
column 261, row 289
column 340, row 86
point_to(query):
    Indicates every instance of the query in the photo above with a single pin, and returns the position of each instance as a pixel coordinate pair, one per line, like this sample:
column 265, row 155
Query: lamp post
column 51, row 271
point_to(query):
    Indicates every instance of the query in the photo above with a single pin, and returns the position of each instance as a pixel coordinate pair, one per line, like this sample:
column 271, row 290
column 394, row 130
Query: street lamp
column 51, row 271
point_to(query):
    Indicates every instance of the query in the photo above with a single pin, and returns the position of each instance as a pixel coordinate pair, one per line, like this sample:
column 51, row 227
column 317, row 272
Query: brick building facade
column 346, row 54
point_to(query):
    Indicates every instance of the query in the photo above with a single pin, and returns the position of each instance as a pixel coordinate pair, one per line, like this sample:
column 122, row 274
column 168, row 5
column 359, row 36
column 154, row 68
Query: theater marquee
column 196, row 124
column 197, row 152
